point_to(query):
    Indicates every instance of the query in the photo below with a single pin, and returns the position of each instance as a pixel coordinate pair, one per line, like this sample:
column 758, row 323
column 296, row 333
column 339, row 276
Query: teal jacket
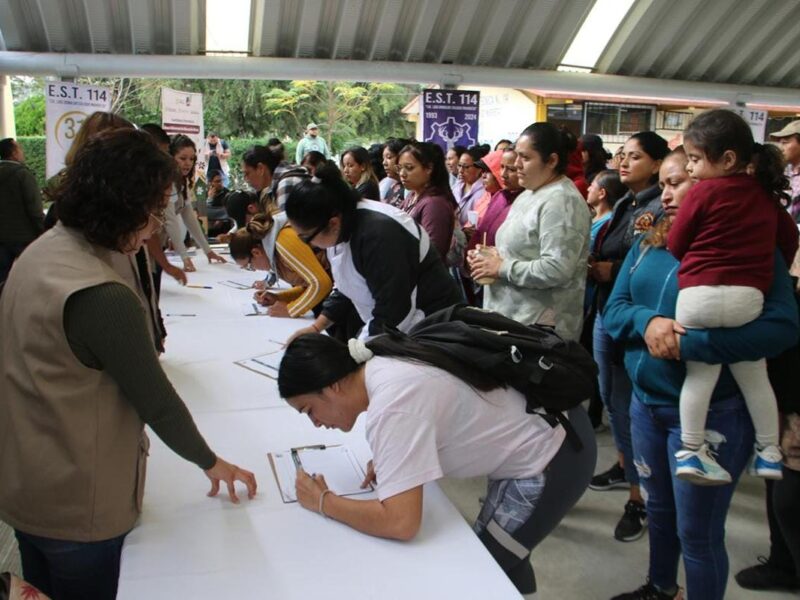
column 647, row 287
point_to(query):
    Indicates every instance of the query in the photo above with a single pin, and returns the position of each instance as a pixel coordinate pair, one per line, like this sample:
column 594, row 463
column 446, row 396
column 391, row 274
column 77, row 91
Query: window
column 673, row 120
column 617, row 122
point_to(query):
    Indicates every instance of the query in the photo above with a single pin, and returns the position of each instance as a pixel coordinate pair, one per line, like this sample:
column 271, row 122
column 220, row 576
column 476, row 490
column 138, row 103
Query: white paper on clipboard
column 338, row 464
column 265, row 364
column 253, row 309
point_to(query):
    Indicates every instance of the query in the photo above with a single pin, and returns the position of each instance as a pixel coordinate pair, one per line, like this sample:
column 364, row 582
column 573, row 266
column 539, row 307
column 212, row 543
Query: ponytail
column 244, row 240
column 313, row 202
column 313, row 361
column 768, row 165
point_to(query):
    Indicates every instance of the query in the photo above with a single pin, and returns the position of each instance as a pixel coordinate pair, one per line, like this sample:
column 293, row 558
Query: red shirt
column 726, row 231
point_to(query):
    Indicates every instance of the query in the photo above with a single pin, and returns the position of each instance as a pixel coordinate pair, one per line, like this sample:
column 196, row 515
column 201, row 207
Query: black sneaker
column 632, row 524
column 767, row 576
column 612, row 479
column 649, row 592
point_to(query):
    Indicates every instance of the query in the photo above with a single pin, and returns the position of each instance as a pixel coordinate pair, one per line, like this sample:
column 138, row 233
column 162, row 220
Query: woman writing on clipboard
column 268, row 243
column 429, row 416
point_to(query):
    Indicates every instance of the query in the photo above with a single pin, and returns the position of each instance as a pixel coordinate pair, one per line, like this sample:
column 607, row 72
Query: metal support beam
column 615, row 87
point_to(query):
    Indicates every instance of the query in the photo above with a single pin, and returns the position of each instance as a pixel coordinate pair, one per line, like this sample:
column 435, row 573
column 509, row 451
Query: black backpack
column 553, row 374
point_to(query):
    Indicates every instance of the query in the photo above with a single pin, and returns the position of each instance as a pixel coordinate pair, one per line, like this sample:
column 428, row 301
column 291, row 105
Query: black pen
column 297, row 464
column 179, row 315
column 313, row 447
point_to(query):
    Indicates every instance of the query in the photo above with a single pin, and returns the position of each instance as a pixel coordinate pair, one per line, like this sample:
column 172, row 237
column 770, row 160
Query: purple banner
column 450, row 117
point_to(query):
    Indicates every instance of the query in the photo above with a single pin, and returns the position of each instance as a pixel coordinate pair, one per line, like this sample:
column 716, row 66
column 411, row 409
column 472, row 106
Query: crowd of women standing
column 371, row 254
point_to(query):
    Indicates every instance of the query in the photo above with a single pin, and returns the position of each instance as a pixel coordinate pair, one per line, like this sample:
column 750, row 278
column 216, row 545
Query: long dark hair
column 361, row 157
column 719, row 130
column 178, row 143
column 313, row 202
column 546, row 139
column 263, row 155
column 654, row 146
column 431, row 156
column 314, row 361
column 597, row 156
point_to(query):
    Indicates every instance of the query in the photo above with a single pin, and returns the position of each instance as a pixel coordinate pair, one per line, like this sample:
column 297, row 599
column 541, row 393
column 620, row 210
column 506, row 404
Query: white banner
column 182, row 112
column 68, row 104
column 757, row 119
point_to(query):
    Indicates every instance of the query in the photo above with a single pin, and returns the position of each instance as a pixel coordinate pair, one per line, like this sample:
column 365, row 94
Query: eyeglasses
column 159, row 219
column 307, row 237
column 462, row 167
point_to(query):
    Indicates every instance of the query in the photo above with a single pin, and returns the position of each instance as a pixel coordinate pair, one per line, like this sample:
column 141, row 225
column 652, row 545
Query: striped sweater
column 297, row 264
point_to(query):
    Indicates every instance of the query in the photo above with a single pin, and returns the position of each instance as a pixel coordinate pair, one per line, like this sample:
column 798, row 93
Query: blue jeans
column 66, row 570
column 615, row 390
column 684, row 517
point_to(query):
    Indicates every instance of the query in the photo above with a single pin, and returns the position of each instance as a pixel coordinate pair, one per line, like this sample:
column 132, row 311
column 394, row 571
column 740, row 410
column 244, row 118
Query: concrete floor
column 581, row 560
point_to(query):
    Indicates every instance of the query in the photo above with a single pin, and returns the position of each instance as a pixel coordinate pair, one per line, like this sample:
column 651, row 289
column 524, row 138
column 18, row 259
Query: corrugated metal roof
column 750, row 42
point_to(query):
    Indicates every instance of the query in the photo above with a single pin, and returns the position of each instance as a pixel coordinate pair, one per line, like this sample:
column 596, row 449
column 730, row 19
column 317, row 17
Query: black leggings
column 566, row 479
column 783, row 499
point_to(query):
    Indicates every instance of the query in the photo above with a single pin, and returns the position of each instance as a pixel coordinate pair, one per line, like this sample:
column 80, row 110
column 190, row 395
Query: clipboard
column 266, row 364
column 342, row 470
column 237, row 285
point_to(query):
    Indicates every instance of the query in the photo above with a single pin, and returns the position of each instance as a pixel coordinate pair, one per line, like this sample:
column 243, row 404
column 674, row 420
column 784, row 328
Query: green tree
column 29, row 116
column 350, row 112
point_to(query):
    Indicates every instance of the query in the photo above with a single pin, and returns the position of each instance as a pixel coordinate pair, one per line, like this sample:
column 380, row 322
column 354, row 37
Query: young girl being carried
column 725, row 236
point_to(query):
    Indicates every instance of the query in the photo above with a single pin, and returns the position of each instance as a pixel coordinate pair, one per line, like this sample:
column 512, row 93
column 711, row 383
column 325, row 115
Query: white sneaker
column 700, row 467
column 767, row 463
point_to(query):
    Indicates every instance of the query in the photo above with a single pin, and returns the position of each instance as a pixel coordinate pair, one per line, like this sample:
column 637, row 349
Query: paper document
column 340, row 467
column 237, row 285
column 264, row 364
column 253, row 309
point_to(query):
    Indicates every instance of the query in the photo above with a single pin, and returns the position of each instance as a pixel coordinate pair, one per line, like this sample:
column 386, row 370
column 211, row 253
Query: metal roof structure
column 683, row 49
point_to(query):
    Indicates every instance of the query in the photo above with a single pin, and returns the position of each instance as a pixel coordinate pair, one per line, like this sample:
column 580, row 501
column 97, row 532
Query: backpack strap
column 558, row 418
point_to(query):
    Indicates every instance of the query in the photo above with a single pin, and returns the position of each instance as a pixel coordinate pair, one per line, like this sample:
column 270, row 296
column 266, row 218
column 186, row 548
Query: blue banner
column 450, row 117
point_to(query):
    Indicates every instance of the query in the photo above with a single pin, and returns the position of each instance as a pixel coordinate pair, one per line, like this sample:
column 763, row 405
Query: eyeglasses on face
column 307, row 237
column 463, row 166
column 158, row 217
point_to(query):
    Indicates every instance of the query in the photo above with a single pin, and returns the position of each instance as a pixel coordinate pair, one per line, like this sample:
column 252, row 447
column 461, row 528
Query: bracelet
column 321, row 499
column 315, row 328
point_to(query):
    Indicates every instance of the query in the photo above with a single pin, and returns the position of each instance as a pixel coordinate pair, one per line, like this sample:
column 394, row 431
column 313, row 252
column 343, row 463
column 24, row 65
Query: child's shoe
column 767, row 463
column 700, row 467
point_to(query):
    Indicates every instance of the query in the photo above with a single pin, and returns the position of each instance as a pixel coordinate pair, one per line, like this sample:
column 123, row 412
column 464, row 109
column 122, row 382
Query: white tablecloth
column 190, row 546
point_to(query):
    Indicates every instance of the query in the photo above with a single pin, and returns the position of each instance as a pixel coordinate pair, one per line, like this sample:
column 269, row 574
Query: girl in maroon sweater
column 725, row 237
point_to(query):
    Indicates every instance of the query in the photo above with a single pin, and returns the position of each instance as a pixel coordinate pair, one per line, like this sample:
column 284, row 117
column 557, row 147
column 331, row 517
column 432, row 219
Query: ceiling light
column 592, row 38
column 227, row 26
column 571, row 69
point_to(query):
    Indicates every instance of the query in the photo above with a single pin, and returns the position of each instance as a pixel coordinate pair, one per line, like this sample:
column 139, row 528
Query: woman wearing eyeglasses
column 74, row 397
column 384, row 266
column 469, row 186
column 268, row 243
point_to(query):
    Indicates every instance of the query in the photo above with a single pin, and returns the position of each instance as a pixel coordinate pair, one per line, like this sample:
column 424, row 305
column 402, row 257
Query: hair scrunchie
column 359, row 351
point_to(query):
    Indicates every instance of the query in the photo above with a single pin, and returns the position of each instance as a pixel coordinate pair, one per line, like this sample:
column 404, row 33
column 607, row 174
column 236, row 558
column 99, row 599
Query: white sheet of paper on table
column 342, row 471
column 237, row 285
column 266, row 364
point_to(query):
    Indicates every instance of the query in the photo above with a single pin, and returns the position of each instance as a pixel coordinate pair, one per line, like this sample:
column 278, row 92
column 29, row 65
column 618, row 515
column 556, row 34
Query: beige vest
column 72, row 449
